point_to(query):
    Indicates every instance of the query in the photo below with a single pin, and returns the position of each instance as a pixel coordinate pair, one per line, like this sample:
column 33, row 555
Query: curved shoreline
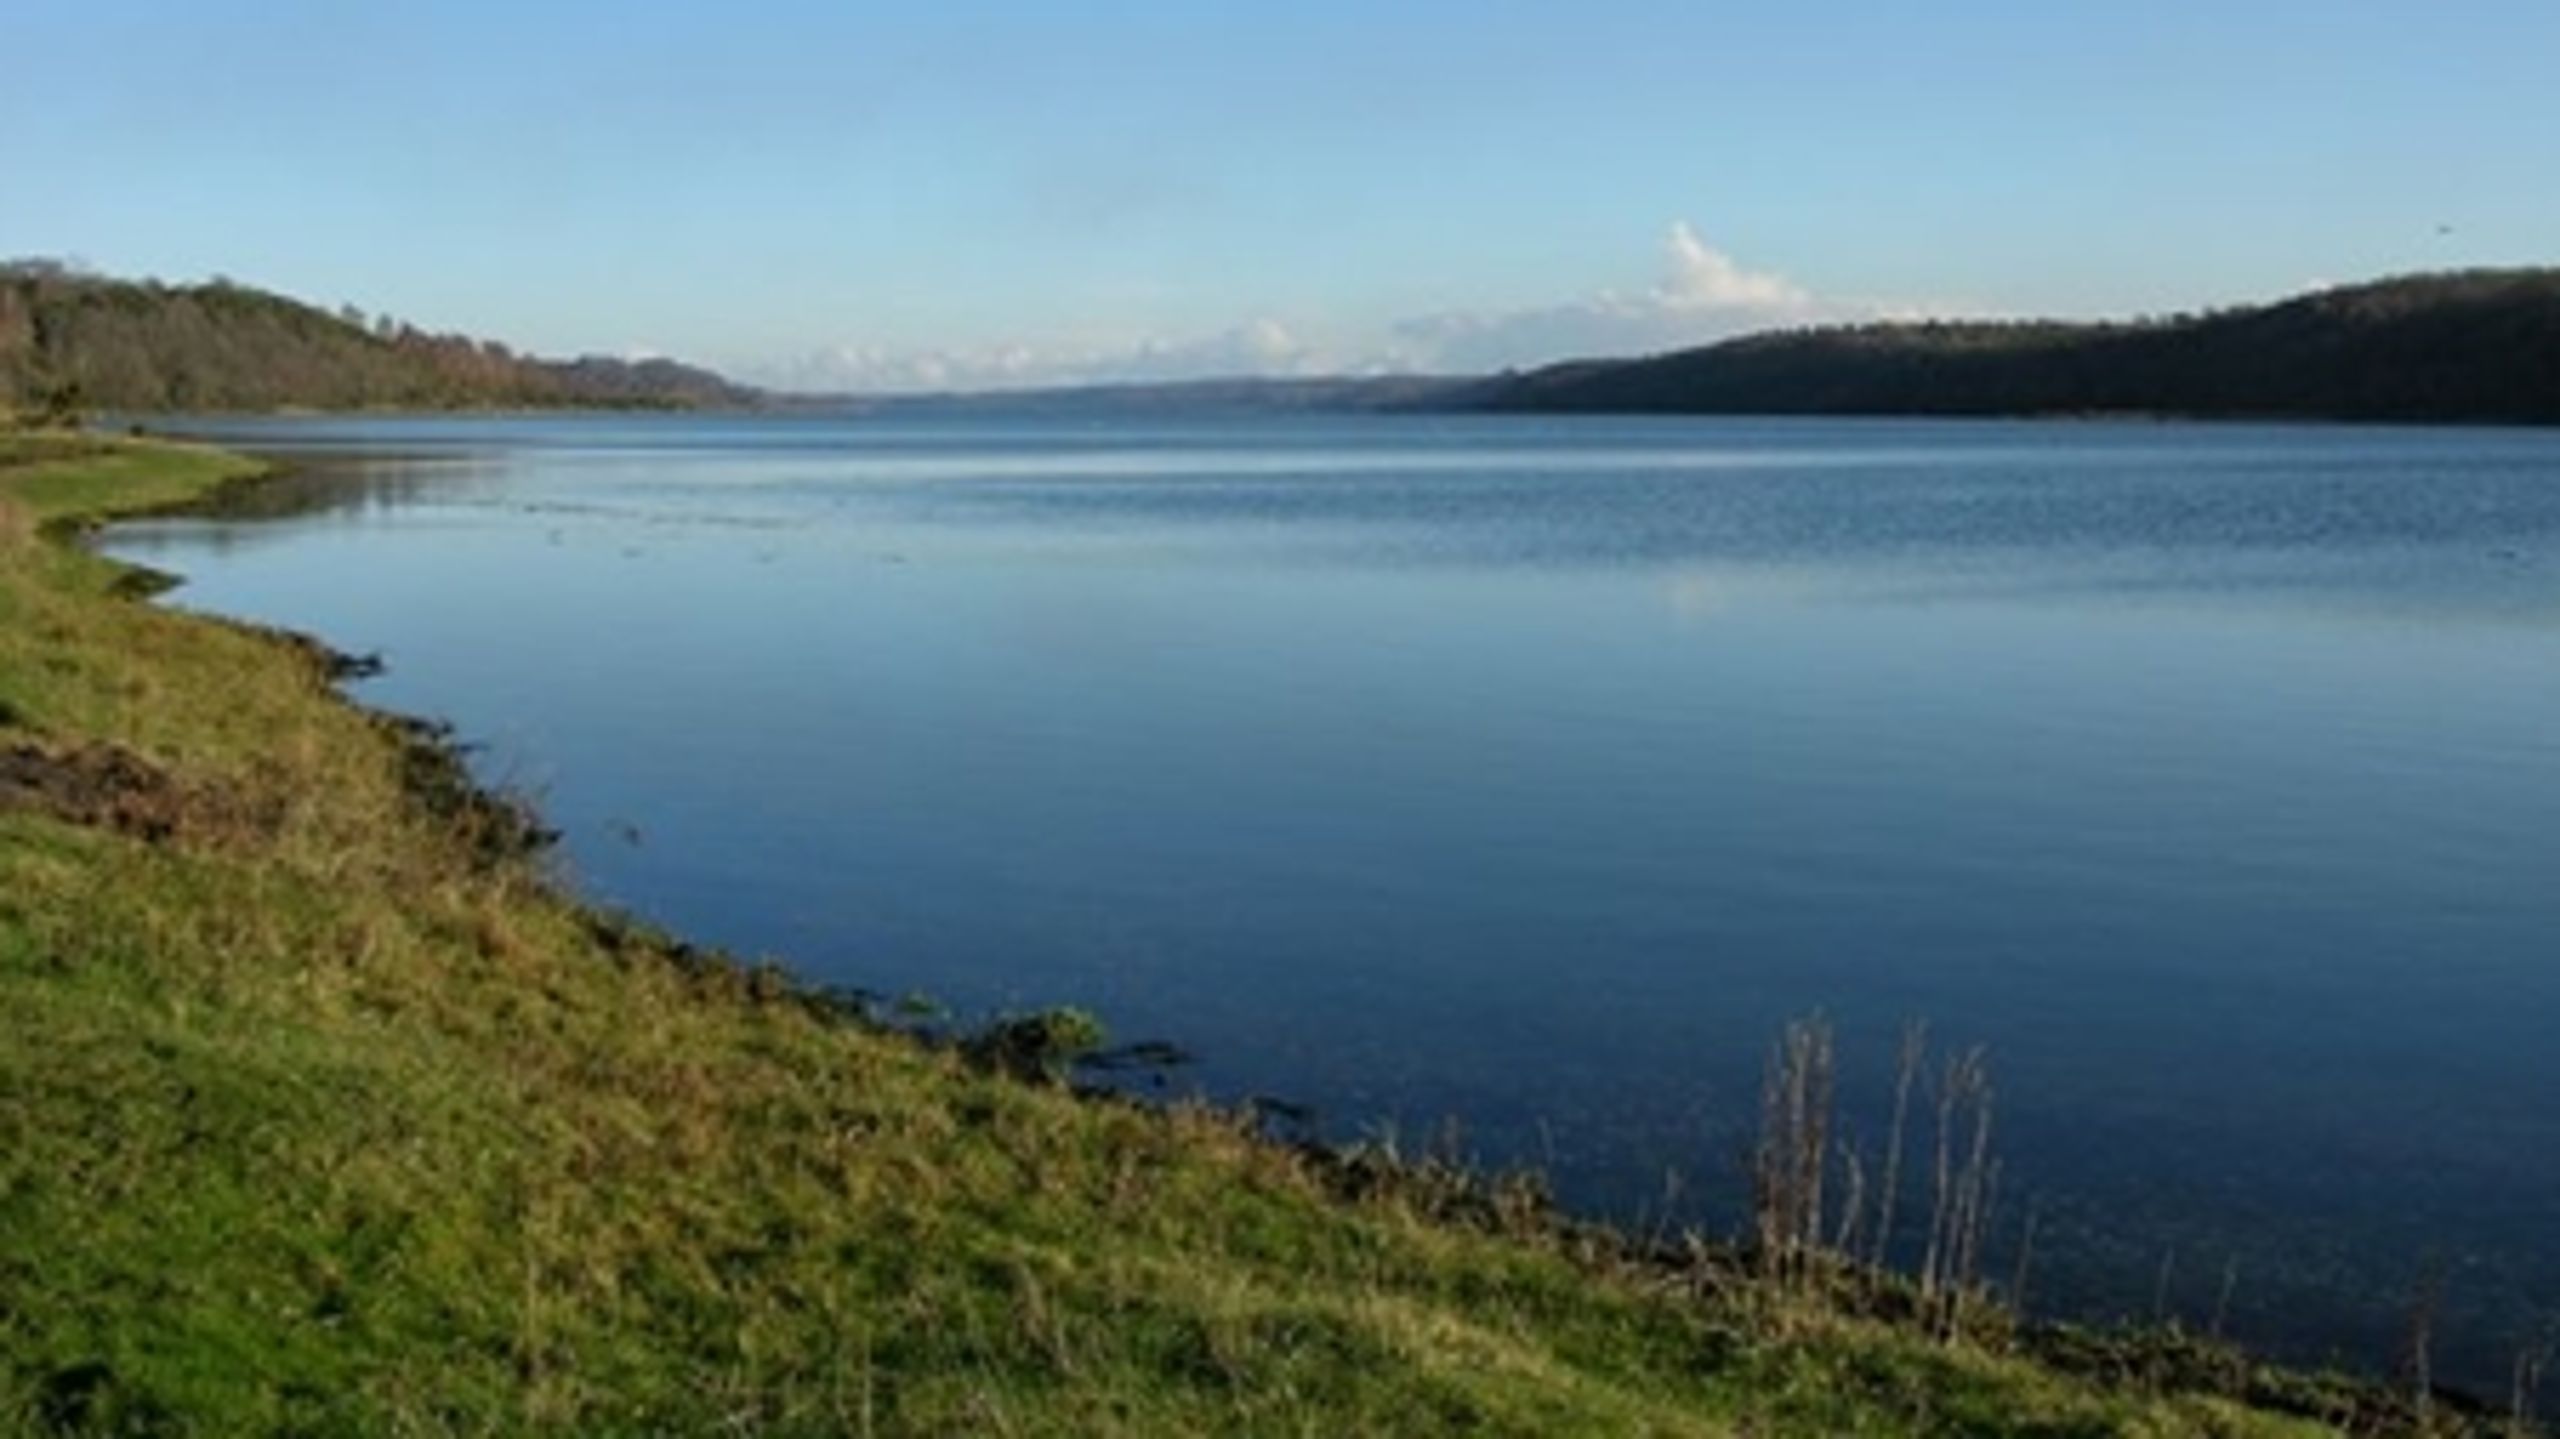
column 495, row 940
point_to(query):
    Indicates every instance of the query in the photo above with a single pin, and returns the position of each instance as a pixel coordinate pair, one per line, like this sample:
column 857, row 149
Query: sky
column 970, row 195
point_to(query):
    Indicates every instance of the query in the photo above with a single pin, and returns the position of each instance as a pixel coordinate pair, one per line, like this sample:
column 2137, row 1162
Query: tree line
column 72, row 341
column 2480, row 345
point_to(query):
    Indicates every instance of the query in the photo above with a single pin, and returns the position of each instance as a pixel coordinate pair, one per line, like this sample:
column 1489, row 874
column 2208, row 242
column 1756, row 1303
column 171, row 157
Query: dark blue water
column 1535, row 772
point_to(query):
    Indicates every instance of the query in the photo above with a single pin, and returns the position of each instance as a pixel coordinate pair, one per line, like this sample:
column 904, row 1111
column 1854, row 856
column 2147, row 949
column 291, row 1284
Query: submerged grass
column 323, row 1110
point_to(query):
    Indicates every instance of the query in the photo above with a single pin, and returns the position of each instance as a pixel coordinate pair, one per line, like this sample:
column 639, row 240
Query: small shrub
column 1043, row 1046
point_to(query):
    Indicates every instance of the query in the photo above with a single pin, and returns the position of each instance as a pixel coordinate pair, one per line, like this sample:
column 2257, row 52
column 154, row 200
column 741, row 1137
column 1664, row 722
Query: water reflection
column 311, row 487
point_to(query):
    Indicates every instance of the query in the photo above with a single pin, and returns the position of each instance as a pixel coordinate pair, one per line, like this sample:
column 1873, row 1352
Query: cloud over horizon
column 1261, row 347
column 1701, row 295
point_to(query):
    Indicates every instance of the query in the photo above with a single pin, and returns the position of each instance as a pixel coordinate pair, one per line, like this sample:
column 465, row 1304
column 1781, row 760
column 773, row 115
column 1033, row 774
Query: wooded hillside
column 71, row 341
column 2479, row 345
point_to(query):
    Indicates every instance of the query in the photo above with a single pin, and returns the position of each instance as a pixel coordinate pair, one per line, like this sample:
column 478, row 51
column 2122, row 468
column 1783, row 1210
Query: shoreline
column 519, row 943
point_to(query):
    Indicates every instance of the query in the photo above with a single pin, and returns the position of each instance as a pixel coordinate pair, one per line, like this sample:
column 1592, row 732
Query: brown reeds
column 1794, row 1150
column 1913, row 1052
column 1960, row 1188
column 1853, row 1170
column 1800, row 1236
column 2026, row 1257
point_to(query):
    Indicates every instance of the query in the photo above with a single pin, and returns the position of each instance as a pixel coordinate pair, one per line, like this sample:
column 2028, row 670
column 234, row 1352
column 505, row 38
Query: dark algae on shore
column 324, row 1109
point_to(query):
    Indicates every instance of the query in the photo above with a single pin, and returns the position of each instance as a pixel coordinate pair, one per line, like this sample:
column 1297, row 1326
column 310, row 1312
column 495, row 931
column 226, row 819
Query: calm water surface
column 1534, row 772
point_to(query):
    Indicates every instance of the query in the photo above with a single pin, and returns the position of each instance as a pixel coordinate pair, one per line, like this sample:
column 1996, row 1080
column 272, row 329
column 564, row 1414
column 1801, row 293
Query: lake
column 1517, row 779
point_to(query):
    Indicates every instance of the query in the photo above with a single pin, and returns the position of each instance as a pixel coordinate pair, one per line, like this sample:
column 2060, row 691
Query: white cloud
column 1702, row 295
column 1259, row 347
column 1699, row 278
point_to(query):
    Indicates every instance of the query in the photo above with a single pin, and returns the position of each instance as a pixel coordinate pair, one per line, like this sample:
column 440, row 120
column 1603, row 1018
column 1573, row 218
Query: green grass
column 317, row 1118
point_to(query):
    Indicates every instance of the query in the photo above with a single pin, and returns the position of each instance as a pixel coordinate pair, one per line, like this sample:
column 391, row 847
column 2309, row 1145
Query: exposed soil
column 111, row 787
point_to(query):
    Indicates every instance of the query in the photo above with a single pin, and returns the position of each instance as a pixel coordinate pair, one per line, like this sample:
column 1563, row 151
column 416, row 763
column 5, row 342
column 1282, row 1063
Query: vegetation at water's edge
column 71, row 341
column 2475, row 346
column 323, row 1110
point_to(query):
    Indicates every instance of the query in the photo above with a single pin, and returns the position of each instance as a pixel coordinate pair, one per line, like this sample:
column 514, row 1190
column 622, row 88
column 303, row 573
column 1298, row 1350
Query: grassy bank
column 322, row 1110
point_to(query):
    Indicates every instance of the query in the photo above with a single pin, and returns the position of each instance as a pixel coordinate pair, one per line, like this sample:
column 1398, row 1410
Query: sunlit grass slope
column 322, row 1111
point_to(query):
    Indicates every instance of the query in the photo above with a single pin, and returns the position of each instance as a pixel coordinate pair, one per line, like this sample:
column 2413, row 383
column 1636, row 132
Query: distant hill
column 2480, row 345
column 75, row 341
column 1237, row 395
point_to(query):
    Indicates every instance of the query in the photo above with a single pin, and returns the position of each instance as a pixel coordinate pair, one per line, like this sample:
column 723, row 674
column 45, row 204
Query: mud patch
column 109, row 787
column 495, row 827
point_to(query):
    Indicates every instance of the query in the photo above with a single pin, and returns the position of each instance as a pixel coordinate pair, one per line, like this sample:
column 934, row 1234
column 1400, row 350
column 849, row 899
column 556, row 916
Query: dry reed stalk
column 1794, row 1149
column 1670, row 1207
column 1960, row 1190
column 1853, row 1173
column 2222, row 1300
column 1794, row 1225
column 2424, row 1304
column 1913, row 1053
column 2531, row 1359
column 1940, row 1190
column 1986, row 1208
column 2026, row 1256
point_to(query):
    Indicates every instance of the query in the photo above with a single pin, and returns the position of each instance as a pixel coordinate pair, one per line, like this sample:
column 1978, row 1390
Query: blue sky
column 972, row 194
